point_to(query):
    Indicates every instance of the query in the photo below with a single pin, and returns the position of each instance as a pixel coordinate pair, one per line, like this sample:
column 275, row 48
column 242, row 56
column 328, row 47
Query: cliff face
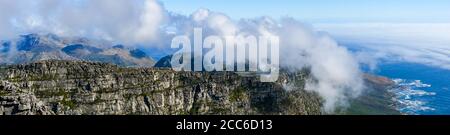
column 76, row 87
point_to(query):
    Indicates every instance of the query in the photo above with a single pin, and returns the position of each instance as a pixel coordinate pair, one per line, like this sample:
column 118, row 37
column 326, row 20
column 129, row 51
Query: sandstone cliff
column 78, row 88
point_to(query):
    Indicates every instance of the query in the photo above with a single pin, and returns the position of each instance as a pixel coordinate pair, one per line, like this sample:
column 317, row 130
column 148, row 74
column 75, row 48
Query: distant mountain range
column 36, row 47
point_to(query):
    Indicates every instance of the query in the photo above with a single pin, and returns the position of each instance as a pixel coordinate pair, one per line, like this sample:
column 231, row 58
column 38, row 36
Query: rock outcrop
column 87, row 88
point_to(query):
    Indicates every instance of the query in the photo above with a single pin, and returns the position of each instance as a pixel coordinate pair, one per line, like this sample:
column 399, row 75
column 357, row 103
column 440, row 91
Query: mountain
column 4, row 46
column 375, row 100
column 87, row 88
column 35, row 47
column 164, row 62
column 55, row 87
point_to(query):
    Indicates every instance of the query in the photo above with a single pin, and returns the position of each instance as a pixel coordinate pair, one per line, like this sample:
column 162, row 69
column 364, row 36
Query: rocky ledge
column 86, row 88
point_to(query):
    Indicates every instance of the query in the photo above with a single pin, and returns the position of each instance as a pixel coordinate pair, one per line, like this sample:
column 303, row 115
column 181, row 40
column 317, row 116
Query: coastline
column 376, row 100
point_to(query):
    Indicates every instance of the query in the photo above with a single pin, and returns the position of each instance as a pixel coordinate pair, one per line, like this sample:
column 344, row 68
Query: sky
column 324, row 11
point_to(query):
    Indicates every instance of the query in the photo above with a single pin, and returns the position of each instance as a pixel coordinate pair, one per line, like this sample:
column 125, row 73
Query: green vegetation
column 219, row 111
column 35, row 86
column 216, row 108
column 47, row 77
column 375, row 102
column 15, row 79
column 181, row 112
column 3, row 93
column 2, row 71
column 145, row 94
column 128, row 96
column 48, row 93
column 69, row 103
column 195, row 108
column 238, row 94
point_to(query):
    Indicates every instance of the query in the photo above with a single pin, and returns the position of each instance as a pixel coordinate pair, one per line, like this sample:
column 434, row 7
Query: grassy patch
column 237, row 94
column 69, row 103
column 15, row 79
column 3, row 93
column 35, row 86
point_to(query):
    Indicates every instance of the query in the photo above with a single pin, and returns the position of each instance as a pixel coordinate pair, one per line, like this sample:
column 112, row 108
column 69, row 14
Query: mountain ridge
column 36, row 47
column 78, row 87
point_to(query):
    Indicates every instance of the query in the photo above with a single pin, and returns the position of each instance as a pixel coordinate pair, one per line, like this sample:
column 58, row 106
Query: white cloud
column 336, row 71
column 130, row 21
column 150, row 21
column 200, row 15
column 424, row 43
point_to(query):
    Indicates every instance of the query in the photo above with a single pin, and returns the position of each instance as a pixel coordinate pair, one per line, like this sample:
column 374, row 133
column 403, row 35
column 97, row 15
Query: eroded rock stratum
column 87, row 88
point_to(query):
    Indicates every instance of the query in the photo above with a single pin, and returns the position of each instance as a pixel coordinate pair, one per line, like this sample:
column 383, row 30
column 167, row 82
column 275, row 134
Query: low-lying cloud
column 336, row 74
column 336, row 70
column 423, row 43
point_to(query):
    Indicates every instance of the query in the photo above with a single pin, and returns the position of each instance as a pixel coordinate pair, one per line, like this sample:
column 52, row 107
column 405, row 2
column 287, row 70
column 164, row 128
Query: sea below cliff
column 420, row 89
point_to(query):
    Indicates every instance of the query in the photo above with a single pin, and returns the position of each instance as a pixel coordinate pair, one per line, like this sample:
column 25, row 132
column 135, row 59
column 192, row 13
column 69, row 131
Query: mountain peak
column 119, row 46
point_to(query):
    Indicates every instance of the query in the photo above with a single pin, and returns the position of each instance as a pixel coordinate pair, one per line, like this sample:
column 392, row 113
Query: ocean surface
column 420, row 89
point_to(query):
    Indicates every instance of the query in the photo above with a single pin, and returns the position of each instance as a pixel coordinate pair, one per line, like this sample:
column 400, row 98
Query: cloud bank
column 423, row 43
column 129, row 21
column 335, row 72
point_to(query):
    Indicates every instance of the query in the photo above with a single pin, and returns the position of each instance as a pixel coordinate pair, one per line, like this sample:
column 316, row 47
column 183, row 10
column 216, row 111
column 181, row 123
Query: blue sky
column 324, row 11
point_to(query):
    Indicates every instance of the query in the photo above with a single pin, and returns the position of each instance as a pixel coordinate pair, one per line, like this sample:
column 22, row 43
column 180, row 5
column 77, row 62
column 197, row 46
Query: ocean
column 421, row 89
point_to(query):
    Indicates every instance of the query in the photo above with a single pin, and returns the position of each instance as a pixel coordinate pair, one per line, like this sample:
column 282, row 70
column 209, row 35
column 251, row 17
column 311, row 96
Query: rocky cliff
column 77, row 87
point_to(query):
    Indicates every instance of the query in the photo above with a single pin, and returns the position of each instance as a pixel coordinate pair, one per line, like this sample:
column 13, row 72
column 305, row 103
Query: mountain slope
column 35, row 47
column 375, row 100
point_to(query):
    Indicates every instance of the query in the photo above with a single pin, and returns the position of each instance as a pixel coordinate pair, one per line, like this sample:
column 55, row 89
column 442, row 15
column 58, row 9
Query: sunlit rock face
column 78, row 88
